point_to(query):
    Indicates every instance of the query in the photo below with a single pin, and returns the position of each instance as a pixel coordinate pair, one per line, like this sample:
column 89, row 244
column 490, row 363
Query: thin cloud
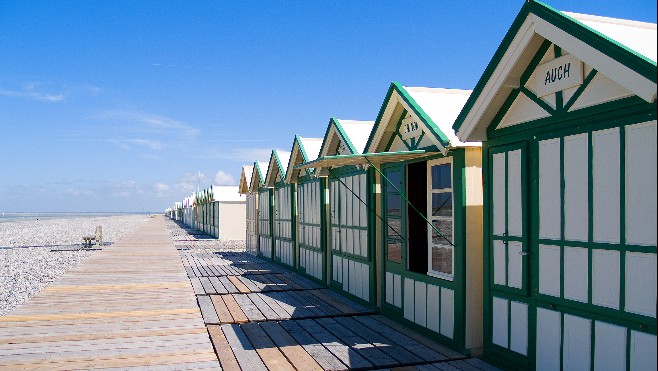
column 31, row 91
column 244, row 155
column 224, row 178
column 129, row 143
column 162, row 124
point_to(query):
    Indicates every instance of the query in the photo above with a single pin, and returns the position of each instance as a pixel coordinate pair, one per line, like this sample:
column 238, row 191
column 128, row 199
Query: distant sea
column 5, row 216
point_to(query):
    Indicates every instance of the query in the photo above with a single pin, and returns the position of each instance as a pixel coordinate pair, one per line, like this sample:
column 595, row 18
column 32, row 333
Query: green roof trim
column 612, row 48
column 343, row 135
column 417, row 110
column 260, row 173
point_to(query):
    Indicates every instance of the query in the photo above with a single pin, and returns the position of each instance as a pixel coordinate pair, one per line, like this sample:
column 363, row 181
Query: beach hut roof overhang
column 226, row 194
column 258, row 176
column 277, row 167
column 430, row 112
column 245, row 179
column 303, row 150
column 624, row 51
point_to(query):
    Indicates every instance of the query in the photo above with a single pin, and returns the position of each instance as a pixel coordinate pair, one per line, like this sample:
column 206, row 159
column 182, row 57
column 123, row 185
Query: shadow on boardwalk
column 262, row 316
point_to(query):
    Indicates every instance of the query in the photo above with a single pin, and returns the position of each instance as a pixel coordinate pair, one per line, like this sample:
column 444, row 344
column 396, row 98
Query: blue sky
column 128, row 105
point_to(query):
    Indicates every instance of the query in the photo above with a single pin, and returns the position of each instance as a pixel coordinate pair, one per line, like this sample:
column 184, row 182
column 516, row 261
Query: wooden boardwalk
column 129, row 305
column 261, row 316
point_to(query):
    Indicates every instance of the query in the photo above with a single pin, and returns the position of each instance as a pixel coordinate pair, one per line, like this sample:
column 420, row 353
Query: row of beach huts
column 516, row 221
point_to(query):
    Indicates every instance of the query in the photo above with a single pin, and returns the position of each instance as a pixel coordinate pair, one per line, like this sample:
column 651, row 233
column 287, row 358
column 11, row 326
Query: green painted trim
column 424, row 117
column 580, row 90
column 540, row 102
column 341, row 132
column 559, row 101
column 619, row 52
column 378, row 121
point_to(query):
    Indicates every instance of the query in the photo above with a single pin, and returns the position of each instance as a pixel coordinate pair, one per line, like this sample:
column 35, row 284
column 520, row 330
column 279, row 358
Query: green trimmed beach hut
column 311, row 208
column 429, row 231
column 566, row 111
column 251, row 212
column 265, row 199
column 283, row 221
column 351, row 247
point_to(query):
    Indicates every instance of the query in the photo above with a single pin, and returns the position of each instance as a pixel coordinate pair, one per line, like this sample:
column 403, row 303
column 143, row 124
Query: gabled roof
column 434, row 109
column 303, row 150
column 624, row 51
column 258, row 177
column 245, row 178
column 352, row 134
column 278, row 165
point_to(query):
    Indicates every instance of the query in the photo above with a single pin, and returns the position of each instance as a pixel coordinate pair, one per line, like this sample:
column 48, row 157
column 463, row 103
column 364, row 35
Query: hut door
column 508, row 248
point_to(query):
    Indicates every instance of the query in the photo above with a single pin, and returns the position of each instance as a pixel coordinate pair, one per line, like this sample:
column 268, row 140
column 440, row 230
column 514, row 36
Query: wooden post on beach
column 99, row 236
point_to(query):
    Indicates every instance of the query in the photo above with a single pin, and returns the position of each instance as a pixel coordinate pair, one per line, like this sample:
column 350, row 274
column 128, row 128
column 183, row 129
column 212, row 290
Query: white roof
column 442, row 106
column 312, row 147
column 358, row 132
column 638, row 36
column 284, row 157
column 227, row 193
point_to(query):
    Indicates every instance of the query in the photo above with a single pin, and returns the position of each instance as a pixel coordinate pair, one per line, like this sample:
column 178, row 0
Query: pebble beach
column 34, row 252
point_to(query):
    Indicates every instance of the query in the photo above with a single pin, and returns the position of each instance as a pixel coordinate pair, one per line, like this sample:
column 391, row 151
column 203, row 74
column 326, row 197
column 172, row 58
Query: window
column 440, row 213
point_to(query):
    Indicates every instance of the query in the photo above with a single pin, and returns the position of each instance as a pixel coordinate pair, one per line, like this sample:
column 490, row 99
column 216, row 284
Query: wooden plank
column 289, row 281
column 341, row 305
column 276, row 284
column 357, row 343
column 248, row 307
column 295, row 353
column 223, row 313
column 268, row 312
column 292, row 306
column 343, row 352
column 207, row 309
column 328, row 309
column 281, row 312
column 217, row 284
column 269, row 353
column 402, row 340
column 239, row 285
column 482, row 365
column 196, row 286
column 244, row 352
column 312, row 307
column 320, row 354
column 386, row 345
column 207, row 286
column 230, row 287
column 252, row 284
column 235, row 310
column 447, row 352
column 358, row 307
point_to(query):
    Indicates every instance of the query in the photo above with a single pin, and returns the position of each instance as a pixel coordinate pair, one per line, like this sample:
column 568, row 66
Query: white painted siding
column 549, row 270
column 576, row 187
column 500, row 322
column 606, row 185
column 577, row 340
column 514, row 194
column 576, row 279
column 643, row 351
column 605, row 278
column 641, row 283
column 549, row 340
column 519, row 327
column 550, row 192
column 610, row 347
column 499, row 171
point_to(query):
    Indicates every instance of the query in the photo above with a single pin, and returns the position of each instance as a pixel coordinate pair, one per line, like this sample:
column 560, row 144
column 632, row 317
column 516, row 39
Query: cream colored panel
column 576, row 348
column 576, row 188
column 365, row 282
column 433, row 316
column 641, row 184
column 641, row 283
column 409, row 299
column 605, row 278
column 500, row 322
column 499, row 263
column 609, row 347
column 397, row 295
column 363, row 186
column 550, row 192
column 600, row 90
column 643, row 351
column 389, row 287
column 519, row 328
column 576, row 274
column 499, row 216
column 420, row 316
column 606, row 188
column 522, row 110
column 514, row 194
column 515, row 264
column 447, row 312
column 549, row 270
column 397, row 145
column 549, row 339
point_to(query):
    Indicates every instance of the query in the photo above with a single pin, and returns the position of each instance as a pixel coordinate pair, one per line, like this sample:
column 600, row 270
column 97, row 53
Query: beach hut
column 226, row 213
column 351, row 252
column 265, row 198
column 311, row 208
column 566, row 111
column 251, row 243
column 430, row 220
column 284, row 213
